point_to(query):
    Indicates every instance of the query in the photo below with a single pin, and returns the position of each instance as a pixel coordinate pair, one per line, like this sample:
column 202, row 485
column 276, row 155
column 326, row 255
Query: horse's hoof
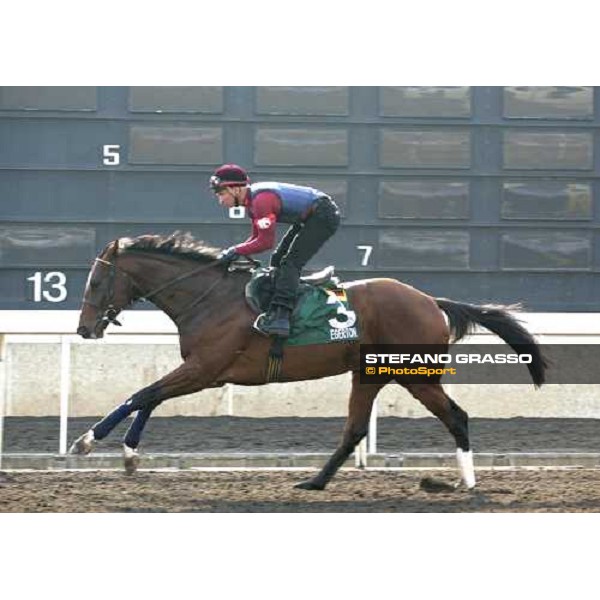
column 131, row 464
column 83, row 444
column 131, row 460
column 461, row 486
column 310, row 484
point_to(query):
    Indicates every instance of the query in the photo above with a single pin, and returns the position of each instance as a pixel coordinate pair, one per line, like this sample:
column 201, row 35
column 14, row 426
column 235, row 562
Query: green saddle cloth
column 322, row 315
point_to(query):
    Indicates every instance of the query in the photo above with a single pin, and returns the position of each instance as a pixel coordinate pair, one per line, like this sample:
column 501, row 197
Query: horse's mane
column 175, row 244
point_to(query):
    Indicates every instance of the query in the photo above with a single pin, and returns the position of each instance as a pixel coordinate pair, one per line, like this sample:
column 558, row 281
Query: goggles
column 215, row 183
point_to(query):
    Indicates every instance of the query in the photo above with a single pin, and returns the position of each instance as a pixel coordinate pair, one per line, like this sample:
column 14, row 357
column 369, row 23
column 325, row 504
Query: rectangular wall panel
column 36, row 246
column 423, row 249
column 541, row 150
column 301, row 147
column 207, row 100
column 425, row 101
column 175, row 145
column 425, row 149
column 423, row 199
column 559, row 250
column 324, row 101
column 540, row 200
column 68, row 143
column 48, row 98
column 49, row 196
column 552, row 102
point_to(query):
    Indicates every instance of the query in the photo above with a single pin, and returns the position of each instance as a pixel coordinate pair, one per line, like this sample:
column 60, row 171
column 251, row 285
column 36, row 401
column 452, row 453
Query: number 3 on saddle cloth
column 322, row 314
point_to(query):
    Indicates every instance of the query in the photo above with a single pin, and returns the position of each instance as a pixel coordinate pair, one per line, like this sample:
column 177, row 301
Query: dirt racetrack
column 522, row 490
column 539, row 490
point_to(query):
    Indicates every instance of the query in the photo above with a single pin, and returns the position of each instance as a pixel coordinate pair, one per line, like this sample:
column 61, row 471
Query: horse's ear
column 114, row 247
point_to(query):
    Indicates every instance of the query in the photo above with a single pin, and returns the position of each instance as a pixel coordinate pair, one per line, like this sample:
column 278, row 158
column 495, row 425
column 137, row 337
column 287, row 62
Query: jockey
column 314, row 218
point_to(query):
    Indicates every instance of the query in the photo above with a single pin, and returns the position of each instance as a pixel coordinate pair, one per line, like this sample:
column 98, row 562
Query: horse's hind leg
column 435, row 399
column 355, row 429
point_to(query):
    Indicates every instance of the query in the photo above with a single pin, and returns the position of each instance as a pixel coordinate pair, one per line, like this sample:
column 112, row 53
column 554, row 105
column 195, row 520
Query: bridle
column 110, row 313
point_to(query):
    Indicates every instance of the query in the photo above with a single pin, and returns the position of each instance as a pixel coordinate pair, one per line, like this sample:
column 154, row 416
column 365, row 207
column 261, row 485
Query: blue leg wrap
column 134, row 433
column 104, row 427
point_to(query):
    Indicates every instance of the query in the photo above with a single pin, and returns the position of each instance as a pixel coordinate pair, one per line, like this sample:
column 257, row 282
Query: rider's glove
column 228, row 256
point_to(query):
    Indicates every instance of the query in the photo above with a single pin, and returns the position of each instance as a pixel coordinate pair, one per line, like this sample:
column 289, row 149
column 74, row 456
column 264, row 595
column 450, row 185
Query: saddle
column 260, row 289
column 314, row 318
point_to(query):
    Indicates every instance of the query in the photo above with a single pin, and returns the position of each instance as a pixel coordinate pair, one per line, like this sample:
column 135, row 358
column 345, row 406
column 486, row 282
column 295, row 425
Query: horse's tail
column 465, row 317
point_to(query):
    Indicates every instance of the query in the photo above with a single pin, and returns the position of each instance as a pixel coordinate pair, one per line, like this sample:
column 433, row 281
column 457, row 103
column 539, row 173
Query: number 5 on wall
column 111, row 155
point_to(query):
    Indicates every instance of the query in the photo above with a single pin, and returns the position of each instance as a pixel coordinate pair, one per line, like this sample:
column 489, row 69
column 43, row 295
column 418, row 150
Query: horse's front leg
column 186, row 379
column 199, row 371
column 131, row 441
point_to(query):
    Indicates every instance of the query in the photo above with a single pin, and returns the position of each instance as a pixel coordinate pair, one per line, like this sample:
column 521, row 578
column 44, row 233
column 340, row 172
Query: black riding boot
column 276, row 321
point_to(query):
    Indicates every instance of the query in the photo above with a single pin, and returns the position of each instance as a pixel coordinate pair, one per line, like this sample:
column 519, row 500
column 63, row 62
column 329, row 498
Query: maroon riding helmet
column 227, row 176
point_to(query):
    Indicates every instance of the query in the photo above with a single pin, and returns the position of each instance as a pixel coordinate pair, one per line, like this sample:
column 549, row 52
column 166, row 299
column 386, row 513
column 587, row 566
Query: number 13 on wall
column 51, row 286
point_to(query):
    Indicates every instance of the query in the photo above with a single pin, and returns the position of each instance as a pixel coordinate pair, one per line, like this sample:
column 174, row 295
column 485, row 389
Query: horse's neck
column 181, row 285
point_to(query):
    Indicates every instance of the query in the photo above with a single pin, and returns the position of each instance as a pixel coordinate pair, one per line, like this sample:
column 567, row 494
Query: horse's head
column 108, row 290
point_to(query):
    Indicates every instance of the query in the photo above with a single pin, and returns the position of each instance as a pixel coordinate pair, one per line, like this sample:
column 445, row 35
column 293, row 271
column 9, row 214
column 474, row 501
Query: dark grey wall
column 479, row 194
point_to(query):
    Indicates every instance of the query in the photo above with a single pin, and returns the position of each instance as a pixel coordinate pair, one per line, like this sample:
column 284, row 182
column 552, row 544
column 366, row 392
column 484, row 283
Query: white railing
column 154, row 327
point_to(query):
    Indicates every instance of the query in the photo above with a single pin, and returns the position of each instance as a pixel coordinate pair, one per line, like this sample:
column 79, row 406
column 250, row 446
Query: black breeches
column 300, row 244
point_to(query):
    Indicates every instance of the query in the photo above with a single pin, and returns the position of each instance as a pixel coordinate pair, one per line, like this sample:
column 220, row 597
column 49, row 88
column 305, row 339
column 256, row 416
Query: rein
column 178, row 279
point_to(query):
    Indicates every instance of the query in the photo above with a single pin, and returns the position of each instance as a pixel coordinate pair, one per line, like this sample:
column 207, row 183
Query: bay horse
column 206, row 301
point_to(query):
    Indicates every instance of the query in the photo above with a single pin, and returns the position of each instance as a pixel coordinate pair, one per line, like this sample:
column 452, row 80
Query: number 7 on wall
column 367, row 254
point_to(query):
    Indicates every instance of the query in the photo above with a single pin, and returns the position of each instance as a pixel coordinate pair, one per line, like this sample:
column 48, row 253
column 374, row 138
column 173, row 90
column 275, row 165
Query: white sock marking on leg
column 465, row 464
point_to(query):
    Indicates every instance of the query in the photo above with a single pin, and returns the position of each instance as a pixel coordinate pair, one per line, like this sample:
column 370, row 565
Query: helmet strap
column 236, row 197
